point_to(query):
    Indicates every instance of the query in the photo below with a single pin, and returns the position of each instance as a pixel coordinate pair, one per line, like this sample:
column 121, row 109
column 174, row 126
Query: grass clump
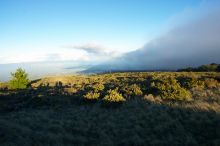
column 211, row 83
column 152, row 99
column 113, row 96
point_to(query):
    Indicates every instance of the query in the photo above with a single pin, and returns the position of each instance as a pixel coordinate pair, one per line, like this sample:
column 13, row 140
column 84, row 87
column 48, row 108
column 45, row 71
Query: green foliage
column 203, row 68
column 113, row 96
column 132, row 90
column 19, row 79
column 136, row 90
column 190, row 82
column 92, row 95
column 209, row 67
column 168, row 88
column 133, row 84
column 98, row 87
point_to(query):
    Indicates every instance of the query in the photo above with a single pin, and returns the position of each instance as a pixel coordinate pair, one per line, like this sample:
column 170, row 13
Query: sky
column 86, row 30
column 192, row 43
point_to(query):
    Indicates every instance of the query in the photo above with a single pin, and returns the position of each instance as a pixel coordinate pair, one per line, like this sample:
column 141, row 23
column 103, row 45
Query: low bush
column 92, row 96
column 98, row 87
column 136, row 90
column 113, row 96
column 169, row 88
column 190, row 82
column 132, row 90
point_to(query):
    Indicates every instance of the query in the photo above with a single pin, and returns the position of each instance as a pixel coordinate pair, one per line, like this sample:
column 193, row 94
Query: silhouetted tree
column 19, row 79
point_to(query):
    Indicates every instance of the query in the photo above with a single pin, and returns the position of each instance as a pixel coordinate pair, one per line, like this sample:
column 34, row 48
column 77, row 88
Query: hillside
column 132, row 108
column 203, row 68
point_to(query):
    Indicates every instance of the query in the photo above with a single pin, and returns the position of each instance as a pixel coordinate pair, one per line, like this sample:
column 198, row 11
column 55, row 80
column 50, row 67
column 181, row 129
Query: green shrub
column 136, row 90
column 190, row 82
column 19, row 79
column 92, row 95
column 132, row 90
column 98, row 87
column 168, row 88
column 113, row 96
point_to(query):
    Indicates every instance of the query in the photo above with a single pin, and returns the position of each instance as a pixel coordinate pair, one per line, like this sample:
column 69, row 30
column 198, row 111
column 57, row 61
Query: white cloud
column 88, row 52
column 17, row 58
column 96, row 50
column 40, row 57
column 91, row 48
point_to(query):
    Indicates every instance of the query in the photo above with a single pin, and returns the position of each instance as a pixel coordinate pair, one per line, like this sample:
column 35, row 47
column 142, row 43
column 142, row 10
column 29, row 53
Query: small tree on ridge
column 19, row 79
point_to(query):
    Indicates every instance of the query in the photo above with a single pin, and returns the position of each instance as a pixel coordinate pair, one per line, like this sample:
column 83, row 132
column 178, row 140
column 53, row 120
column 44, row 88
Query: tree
column 19, row 79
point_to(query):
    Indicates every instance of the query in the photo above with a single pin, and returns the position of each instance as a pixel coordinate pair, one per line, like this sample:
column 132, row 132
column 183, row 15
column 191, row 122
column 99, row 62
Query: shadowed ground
column 53, row 115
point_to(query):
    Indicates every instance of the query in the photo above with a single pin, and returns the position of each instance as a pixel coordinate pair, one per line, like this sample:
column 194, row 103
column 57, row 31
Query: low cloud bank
column 192, row 44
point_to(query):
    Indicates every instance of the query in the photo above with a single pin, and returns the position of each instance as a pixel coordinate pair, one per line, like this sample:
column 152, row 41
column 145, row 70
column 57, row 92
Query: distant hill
column 213, row 67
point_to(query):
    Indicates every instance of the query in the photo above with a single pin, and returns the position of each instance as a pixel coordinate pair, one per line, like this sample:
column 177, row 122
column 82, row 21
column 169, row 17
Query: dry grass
column 58, row 114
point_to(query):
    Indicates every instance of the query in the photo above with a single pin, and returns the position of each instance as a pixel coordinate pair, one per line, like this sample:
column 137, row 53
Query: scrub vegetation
column 132, row 108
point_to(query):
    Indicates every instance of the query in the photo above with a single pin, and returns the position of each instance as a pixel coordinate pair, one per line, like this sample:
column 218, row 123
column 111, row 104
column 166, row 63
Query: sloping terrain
column 157, row 109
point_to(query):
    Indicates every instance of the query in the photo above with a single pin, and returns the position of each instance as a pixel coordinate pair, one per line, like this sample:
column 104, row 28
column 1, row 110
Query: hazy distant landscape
column 109, row 73
column 42, row 69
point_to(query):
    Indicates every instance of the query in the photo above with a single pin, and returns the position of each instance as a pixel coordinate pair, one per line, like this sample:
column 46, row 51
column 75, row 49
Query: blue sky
column 47, row 30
